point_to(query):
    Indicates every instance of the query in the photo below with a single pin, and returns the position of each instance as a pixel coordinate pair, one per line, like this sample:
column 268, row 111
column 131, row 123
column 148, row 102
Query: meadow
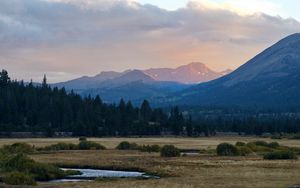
column 204, row 170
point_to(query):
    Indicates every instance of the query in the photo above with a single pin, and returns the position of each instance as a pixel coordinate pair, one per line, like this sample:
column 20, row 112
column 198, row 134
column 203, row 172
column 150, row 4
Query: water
column 91, row 174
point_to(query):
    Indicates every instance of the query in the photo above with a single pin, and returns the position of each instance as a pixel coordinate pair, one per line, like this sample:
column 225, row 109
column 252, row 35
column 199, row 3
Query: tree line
column 26, row 107
column 30, row 108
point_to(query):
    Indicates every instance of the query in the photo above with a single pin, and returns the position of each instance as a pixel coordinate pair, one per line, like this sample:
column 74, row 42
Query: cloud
column 76, row 37
column 241, row 7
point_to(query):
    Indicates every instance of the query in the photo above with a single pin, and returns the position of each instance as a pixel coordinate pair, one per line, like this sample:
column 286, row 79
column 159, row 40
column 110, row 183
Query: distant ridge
column 189, row 74
column 272, row 78
column 137, row 85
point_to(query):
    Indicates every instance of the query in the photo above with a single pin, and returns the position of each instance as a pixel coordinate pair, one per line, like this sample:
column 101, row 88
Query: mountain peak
column 135, row 75
column 192, row 73
column 271, row 78
column 279, row 60
column 293, row 38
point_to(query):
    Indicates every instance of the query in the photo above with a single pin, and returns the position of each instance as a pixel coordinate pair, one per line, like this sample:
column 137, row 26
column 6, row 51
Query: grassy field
column 183, row 143
column 181, row 172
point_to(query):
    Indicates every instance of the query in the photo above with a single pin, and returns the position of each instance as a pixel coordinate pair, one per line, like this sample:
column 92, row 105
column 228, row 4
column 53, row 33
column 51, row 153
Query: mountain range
column 272, row 78
column 136, row 85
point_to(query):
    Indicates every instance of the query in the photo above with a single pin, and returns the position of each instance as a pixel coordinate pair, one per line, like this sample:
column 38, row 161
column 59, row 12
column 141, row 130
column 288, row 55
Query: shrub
column 38, row 171
column 261, row 143
column 44, row 172
column 19, row 162
column 82, row 139
column 61, row 146
column 280, row 155
column 244, row 150
column 251, row 145
column 18, row 148
column 226, row 149
column 123, row 146
column 89, row 145
column 18, row 178
column 273, row 145
column 240, row 144
column 276, row 136
column 149, row 148
column 261, row 146
column 296, row 136
column 127, row 146
column 169, row 151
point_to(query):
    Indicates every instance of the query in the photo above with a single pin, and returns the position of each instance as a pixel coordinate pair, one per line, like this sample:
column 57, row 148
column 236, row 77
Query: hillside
column 269, row 79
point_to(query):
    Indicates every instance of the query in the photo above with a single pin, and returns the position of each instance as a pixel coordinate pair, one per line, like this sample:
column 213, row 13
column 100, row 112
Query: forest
column 26, row 107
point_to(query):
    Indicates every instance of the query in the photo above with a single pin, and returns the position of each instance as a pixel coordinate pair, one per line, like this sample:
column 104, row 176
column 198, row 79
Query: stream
column 91, row 174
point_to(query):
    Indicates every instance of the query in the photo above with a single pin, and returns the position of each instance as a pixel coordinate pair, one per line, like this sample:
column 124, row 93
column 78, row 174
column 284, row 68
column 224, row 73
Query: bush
column 60, row 146
column 240, row 144
column 89, row 145
column 244, row 150
column 82, row 139
column 39, row 171
column 262, row 146
column 18, row 148
column 280, row 155
column 226, row 149
column 276, row 136
column 127, row 146
column 19, row 162
column 18, row 178
column 273, row 145
column 296, row 136
column 149, row 148
column 261, row 143
column 169, row 151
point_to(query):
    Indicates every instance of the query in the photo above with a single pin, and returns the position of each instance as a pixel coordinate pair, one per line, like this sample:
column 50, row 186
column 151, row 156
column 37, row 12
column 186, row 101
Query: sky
column 283, row 8
column 65, row 39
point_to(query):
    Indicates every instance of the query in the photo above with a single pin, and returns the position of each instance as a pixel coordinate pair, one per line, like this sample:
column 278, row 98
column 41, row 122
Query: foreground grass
column 180, row 172
column 198, row 171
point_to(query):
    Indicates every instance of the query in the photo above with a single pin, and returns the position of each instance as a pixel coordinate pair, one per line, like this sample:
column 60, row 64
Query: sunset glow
column 39, row 37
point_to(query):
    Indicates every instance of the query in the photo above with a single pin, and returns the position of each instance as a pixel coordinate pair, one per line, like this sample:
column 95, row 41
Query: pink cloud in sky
column 65, row 39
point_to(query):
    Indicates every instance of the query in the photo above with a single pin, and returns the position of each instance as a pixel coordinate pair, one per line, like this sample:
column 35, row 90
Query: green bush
column 18, row 162
column 280, row 155
column 261, row 143
column 273, row 145
column 83, row 145
column 251, row 145
column 18, row 178
column 44, row 172
column 262, row 146
column 226, row 149
column 39, row 171
column 244, row 150
column 149, row 148
column 169, row 151
column 18, row 148
column 276, row 136
column 296, row 136
column 240, row 144
column 61, row 146
column 89, row 145
column 82, row 139
column 127, row 146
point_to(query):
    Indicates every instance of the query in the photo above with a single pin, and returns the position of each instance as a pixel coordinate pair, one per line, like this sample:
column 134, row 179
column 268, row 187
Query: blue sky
column 283, row 8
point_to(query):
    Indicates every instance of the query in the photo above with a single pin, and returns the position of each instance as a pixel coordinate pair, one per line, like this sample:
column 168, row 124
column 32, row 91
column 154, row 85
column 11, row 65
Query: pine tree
column 44, row 83
column 145, row 112
column 4, row 78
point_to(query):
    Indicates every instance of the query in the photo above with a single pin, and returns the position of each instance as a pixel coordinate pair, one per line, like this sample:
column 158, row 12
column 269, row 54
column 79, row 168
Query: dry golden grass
column 183, row 172
column 184, row 143
column 198, row 171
